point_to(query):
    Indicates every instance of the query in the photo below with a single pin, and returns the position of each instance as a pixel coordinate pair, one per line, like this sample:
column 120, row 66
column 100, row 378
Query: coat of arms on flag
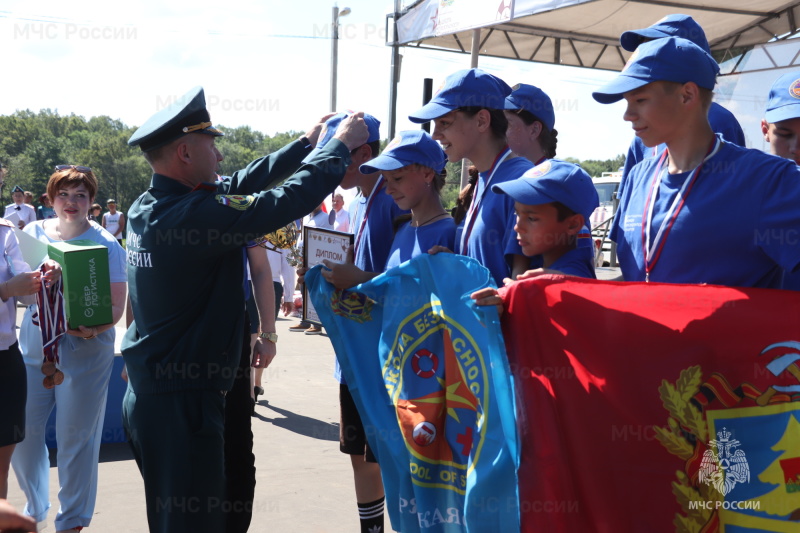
column 690, row 396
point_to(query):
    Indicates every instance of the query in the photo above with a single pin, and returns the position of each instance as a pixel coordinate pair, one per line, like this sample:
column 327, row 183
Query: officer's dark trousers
column 177, row 441
column 240, row 470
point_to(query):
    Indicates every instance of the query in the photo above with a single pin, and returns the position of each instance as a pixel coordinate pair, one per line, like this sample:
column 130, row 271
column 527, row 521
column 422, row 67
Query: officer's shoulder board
column 4, row 222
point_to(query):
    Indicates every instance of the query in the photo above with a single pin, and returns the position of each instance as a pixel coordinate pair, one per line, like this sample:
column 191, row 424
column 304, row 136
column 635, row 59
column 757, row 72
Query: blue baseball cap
column 187, row 114
column 332, row 124
column 672, row 59
column 466, row 88
column 784, row 98
column 408, row 148
column 533, row 100
column 554, row 181
column 682, row 26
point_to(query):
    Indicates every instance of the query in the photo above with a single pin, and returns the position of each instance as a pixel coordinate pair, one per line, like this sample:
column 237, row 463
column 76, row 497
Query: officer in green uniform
column 185, row 236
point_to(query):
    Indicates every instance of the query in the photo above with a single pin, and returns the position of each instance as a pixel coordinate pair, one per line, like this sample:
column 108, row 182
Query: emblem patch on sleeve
column 236, row 201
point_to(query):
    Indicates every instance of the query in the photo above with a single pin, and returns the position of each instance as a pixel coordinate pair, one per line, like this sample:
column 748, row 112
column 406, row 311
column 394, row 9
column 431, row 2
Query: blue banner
column 429, row 375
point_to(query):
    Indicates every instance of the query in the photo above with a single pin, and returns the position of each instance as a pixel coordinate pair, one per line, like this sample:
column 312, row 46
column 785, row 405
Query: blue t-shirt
column 410, row 241
column 374, row 240
column 372, row 243
column 734, row 229
column 791, row 280
column 721, row 120
column 493, row 239
column 576, row 262
column 99, row 351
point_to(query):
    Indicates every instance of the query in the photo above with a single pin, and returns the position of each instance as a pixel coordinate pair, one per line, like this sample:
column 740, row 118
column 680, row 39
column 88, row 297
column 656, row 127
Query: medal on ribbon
column 52, row 321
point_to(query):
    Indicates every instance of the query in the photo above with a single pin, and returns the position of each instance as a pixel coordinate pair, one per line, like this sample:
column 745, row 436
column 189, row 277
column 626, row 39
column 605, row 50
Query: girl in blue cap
column 412, row 166
column 469, row 123
column 531, row 120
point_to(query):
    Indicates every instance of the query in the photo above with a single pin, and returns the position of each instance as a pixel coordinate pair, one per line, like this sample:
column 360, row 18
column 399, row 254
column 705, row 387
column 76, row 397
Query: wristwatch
column 270, row 336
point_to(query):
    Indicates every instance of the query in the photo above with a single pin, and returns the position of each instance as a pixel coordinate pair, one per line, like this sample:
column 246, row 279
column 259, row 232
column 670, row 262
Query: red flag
column 655, row 407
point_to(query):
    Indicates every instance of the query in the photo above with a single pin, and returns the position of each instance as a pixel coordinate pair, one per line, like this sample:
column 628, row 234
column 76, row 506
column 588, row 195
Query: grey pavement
column 303, row 482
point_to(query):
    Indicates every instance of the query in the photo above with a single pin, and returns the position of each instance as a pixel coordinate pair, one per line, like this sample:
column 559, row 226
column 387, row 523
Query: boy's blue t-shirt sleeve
column 576, row 262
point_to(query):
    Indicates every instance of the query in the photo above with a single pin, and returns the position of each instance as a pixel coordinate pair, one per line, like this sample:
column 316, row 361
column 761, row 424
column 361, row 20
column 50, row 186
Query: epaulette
column 4, row 222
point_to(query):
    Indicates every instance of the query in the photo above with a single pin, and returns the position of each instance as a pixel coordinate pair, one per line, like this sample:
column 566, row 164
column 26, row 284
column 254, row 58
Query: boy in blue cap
column 371, row 215
column 781, row 123
column 722, row 121
column 469, row 123
column 672, row 224
column 552, row 200
column 781, row 129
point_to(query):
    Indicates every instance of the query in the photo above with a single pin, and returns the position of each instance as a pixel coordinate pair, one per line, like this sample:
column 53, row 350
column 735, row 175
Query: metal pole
column 473, row 63
column 395, row 72
column 334, row 55
column 427, row 94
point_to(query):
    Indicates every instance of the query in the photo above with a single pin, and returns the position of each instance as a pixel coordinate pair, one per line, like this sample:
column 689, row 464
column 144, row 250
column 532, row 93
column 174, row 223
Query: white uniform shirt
column 342, row 222
column 26, row 213
column 282, row 271
column 12, row 265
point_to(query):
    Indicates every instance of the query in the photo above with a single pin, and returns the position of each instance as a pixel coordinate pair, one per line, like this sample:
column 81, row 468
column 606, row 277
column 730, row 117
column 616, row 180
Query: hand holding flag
column 347, row 274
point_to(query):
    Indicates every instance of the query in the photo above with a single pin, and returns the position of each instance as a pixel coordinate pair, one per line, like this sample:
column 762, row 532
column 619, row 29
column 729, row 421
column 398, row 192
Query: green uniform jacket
column 186, row 264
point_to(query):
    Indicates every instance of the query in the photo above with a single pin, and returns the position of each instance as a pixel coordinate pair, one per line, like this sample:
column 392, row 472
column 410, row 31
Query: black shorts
column 278, row 296
column 13, row 396
column 352, row 437
column 252, row 310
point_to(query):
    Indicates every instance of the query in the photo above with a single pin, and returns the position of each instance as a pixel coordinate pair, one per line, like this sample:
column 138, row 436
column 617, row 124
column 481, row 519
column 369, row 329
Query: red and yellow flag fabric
column 655, row 407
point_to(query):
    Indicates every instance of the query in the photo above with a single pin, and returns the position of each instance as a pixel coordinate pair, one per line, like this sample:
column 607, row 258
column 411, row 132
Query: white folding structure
column 585, row 33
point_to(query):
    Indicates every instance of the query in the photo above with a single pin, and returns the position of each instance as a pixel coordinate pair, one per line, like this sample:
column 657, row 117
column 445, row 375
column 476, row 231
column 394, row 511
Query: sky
column 263, row 63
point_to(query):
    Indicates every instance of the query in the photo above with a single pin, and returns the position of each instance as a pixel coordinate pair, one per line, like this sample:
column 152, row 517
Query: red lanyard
column 375, row 189
column 472, row 214
column 652, row 253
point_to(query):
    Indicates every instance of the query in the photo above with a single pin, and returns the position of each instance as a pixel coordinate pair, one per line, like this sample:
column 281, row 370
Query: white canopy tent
column 585, row 33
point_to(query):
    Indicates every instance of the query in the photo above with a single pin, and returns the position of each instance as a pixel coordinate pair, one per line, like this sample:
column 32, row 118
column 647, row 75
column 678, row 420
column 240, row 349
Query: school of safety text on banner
column 431, row 382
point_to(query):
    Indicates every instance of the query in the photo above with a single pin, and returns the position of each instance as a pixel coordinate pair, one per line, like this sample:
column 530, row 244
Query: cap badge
column 397, row 140
column 794, row 89
column 540, row 170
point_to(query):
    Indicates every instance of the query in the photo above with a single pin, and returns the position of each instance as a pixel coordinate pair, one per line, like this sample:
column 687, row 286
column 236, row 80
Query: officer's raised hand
column 317, row 130
column 353, row 131
column 347, row 274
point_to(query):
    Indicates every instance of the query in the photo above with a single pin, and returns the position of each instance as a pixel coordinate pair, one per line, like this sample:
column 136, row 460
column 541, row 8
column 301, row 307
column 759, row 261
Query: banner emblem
column 437, row 380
